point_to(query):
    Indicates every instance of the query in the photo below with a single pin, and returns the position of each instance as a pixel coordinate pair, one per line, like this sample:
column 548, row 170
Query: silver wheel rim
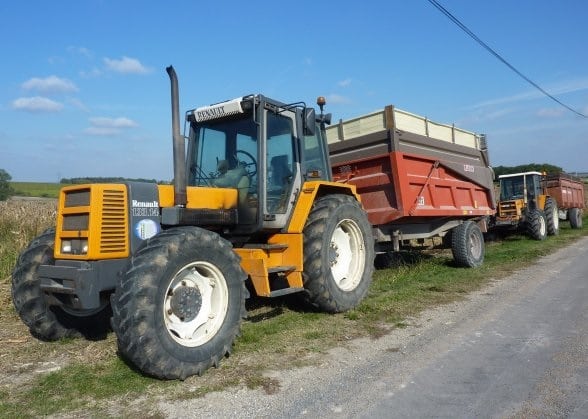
column 475, row 246
column 542, row 226
column 347, row 255
column 555, row 218
column 196, row 303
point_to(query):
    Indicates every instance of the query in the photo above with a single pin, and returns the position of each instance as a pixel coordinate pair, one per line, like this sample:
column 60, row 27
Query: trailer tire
column 338, row 254
column 179, row 307
column 467, row 245
column 575, row 215
column 551, row 217
column 45, row 322
column 536, row 225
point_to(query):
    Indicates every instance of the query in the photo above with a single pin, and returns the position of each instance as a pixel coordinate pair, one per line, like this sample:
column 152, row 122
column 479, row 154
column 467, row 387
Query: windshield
column 222, row 153
column 512, row 188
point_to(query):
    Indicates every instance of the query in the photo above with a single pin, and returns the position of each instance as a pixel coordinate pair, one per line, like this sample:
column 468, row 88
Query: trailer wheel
column 536, row 225
column 551, row 217
column 338, row 254
column 575, row 215
column 45, row 322
column 467, row 245
column 179, row 307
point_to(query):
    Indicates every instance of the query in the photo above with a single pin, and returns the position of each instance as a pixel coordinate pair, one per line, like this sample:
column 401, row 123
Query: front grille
column 113, row 236
column 95, row 215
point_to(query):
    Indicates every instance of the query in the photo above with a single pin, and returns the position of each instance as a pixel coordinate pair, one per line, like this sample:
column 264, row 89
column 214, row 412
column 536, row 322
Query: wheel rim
column 555, row 218
column 542, row 226
column 347, row 255
column 195, row 304
column 475, row 246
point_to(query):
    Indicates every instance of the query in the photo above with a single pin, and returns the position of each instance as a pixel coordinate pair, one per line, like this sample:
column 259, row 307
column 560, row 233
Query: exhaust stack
column 178, row 143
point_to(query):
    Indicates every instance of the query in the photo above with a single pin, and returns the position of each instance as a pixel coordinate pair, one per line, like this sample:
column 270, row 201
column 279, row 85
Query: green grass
column 36, row 189
column 281, row 333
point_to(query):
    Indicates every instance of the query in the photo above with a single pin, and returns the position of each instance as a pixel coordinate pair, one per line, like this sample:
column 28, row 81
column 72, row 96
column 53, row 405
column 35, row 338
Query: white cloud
column 36, row 104
column 51, row 84
column 80, row 51
column 336, row 99
column 561, row 88
column 550, row 112
column 102, row 131
column 78, row 104
column 108, row 127
column 345, row 83
column 113, row 122
column 126, row 65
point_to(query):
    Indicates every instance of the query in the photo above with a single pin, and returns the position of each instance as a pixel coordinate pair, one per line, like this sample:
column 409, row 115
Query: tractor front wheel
column 179, row 307
column 48, row 322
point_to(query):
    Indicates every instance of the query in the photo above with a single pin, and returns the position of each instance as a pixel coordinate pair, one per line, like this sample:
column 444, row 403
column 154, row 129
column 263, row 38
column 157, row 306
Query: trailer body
column 567, row 191
column 416, row 178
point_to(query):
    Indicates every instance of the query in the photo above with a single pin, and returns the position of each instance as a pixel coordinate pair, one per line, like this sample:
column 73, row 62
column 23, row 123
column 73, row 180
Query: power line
column 499, row 57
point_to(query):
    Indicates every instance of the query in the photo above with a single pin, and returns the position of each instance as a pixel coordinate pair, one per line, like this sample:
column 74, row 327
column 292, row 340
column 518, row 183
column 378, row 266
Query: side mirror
column 309, row 121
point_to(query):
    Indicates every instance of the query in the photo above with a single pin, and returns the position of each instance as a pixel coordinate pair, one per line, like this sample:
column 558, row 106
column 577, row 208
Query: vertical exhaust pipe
column 178, row 142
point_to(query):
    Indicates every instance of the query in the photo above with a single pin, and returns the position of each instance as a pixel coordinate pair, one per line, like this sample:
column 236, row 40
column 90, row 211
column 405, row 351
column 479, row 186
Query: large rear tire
column 536, row 225
column 467, row 245
column 45, row 322
column 179, row 307
column 551, row 217
column 338, row 254
column 575, row 215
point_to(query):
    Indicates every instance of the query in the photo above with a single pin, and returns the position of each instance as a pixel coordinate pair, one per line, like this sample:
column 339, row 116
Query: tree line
column 531, row 167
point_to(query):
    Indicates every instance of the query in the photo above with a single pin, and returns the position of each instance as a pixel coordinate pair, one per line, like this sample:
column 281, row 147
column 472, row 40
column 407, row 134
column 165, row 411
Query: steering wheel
column 251, row 166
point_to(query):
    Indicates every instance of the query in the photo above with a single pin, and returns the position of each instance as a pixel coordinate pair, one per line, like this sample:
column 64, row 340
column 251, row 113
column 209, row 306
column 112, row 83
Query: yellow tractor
column 252, row 208
column 526, row 206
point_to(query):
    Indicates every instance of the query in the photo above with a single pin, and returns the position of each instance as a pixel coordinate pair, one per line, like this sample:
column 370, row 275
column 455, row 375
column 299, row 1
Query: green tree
column 5, row 189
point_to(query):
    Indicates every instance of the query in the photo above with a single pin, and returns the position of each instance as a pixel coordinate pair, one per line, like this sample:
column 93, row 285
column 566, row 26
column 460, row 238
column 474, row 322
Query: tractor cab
column 262, row 149
column 521, row 186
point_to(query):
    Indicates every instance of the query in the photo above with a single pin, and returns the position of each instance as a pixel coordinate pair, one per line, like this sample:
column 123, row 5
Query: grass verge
column 277, row 334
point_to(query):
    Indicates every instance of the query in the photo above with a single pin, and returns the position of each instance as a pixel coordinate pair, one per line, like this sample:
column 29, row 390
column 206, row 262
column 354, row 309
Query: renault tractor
column 525, row 205
column 252, row 209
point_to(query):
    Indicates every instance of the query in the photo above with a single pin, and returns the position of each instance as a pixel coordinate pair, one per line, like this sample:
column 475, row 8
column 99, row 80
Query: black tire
column 45, row 322
column 551, row 217
column 575, row 216
column 338, row 254
column 467, row 245
column 179, row 307
column 536, row 225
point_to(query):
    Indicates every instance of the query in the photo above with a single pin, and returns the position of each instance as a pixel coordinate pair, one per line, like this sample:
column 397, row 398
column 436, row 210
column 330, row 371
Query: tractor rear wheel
column 338, row 254
column 48, row 322
column 179, row 307
column 551, row 217
column 536, row 225
column 467, row 245
column 575, row 216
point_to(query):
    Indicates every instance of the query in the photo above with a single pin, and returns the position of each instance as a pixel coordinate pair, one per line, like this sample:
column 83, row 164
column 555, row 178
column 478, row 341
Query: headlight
column 74, row 246
column 66, row 246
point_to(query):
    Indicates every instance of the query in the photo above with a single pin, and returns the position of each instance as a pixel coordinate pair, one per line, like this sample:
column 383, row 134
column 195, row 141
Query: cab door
column 282, row 179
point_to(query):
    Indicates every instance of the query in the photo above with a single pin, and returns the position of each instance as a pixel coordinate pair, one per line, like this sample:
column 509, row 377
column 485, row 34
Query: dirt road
column 518, row 348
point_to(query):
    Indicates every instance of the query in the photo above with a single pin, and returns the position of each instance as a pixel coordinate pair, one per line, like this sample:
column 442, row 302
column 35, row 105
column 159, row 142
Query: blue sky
column 83, row 88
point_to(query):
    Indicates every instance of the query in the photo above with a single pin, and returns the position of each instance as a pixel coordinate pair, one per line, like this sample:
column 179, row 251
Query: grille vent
column 113, row 227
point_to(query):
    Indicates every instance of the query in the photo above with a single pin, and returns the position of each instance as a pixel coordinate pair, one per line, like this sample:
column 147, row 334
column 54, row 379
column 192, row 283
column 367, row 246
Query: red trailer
column 417, row 179
column 568, row 193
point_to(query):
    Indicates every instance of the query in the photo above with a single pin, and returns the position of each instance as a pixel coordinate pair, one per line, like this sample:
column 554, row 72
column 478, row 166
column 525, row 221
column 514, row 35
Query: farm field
column 52, row 378
column 36, row 189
